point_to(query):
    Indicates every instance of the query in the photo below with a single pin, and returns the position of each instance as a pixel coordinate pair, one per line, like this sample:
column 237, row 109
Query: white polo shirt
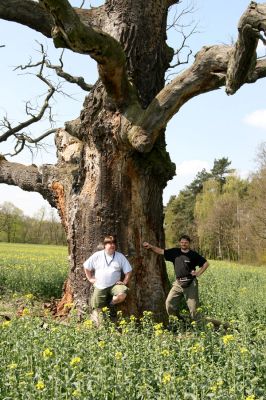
column 107, row 269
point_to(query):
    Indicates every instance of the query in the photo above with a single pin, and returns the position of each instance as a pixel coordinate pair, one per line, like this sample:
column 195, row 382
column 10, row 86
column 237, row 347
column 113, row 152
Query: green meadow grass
column 41, row 358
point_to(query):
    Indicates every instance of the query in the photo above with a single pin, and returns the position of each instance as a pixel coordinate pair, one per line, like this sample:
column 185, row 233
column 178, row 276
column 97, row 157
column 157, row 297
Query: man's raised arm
column 157, row 250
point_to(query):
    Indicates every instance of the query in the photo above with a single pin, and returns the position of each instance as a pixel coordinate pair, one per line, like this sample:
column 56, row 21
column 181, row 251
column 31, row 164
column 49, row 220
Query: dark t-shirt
column 184, row 263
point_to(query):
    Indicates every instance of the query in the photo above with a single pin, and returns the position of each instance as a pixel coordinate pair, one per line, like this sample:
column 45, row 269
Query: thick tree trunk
column 114, row 191
column 118, row 190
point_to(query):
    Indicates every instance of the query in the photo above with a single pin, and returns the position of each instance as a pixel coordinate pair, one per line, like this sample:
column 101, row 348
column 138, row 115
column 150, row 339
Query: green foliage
column 179, row 212
column 221, row 170
column 44, row 359
column 217, row 217
column 15, row 227
column 224, row 214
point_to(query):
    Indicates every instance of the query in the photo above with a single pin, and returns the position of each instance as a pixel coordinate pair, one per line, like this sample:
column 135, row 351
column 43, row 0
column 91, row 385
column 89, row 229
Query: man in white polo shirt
column 103, row 270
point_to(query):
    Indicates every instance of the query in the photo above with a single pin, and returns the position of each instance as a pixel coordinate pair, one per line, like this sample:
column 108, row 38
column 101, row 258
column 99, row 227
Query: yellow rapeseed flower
column 197, row 348
column 214, row 388
column 243, row 350
column 118, row 355
column 105, row 309
column 25, row 312
column 228, row 338
column 88, row 324
column 40, row 385
column 47, row 353
column 75, row 361
column 158, row 327
column 123, row 322
column 147, row 313
column 12, row 366
column 166, row 378
column 101, row 344
column 250, row 397
column 29, row 296
column 6, row 323
column 76, row 393
column 165, row 353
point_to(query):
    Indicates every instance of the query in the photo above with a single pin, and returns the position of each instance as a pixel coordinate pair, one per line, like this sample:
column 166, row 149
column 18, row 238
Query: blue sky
column 209, row 126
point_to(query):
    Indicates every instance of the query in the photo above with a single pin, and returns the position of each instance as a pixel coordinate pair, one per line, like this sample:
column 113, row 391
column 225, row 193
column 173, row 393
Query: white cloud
column 257, row 119
column 191, row 167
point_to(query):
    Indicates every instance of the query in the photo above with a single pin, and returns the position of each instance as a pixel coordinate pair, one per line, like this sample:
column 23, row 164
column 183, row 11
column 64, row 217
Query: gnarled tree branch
column 27, row 12
column 69, row 31
column 243, row 59
column 29, row 178
column 32, row 14
column 206, row 74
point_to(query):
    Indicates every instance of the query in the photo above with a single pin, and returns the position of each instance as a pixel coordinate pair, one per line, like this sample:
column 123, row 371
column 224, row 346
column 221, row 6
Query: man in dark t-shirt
column 185, row 262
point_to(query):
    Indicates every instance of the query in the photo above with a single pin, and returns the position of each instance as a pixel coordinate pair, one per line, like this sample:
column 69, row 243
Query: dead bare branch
column 190, row 9
column 181, row 29
column 78, row 80
column 22, row 139
column 34, row 117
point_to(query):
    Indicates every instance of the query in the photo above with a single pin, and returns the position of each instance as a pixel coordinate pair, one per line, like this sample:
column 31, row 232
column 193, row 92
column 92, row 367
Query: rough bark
column 112, row 162
column 243, row 59
column 34, row 15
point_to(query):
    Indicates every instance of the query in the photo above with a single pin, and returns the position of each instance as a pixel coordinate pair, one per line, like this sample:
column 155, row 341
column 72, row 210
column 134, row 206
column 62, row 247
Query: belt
column 184, row 279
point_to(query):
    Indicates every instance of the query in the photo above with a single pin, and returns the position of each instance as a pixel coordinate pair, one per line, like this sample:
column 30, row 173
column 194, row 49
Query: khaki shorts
column 102, row 297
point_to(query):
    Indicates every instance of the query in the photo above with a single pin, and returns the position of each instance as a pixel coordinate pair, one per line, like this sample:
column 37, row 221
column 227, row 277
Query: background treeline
column 224, row 214
column 16, row 227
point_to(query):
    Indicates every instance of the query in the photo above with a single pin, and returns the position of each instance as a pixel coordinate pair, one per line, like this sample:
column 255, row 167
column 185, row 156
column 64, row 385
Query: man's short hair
column 109, row 239
column 186, row 237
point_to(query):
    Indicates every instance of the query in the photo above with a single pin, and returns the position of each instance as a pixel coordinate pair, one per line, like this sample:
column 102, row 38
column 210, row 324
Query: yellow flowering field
column 36, row 269
column 41, row 358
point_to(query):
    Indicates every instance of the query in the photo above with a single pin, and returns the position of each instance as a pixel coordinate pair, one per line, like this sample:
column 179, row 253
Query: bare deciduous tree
column 112, row 163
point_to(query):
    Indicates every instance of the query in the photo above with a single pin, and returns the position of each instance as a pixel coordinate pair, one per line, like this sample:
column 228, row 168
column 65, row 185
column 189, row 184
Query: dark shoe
column 112, row 310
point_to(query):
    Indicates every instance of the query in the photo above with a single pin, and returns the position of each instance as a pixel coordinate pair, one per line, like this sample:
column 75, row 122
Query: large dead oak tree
column 112, row 163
